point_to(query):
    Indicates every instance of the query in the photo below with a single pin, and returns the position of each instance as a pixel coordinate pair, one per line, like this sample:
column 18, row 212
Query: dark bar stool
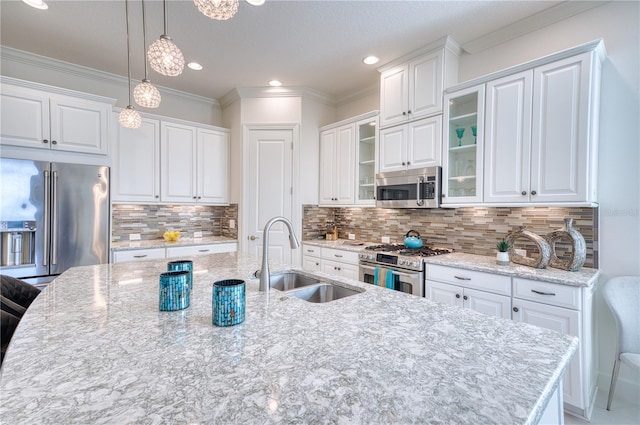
column 8, row 324
column 18, row 291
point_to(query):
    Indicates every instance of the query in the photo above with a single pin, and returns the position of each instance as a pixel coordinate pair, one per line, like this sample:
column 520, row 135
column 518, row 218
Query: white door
column 24, row 120
column 425, row 86
column 212, row 166
column 269, row 187
column 560, row 144
column 444, row 293
column 79, row 125
column 487, row 303
column 394, row 90
column 327, row 167
column 345, row 165
column 425, row 139
column 393, row 149
column 135, row 174
column 561, row 320
column 508, row 138
column 178, row 171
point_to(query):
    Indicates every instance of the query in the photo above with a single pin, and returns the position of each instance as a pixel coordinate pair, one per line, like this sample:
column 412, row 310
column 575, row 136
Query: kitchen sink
column 322, row 293
column 291, row 280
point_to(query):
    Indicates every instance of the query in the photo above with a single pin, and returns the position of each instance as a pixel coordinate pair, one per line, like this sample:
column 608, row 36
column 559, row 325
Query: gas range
column 398, row 255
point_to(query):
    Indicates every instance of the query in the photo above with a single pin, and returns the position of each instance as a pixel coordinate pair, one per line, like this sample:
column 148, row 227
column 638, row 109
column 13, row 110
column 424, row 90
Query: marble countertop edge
column 161, row 243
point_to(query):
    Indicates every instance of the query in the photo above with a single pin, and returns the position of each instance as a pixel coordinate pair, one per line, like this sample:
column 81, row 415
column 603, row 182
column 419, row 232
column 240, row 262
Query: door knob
column 533, row 192
column 524, row 192
column 253, row 238
column 457, row 295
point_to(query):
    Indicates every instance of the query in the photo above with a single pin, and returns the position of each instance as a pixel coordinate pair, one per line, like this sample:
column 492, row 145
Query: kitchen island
column 94, row 348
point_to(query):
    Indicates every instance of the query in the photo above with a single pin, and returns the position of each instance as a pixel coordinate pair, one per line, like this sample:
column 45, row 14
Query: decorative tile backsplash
column 151, row 221
column 474, row 230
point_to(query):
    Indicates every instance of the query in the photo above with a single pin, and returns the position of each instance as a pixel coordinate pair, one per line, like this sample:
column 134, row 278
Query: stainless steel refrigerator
column 53, row 216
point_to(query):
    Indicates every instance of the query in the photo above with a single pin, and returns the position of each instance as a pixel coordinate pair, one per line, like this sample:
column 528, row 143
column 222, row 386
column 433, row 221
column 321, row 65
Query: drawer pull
column 542, row 293
column 337, row 255
column 203, row 250
column 462, row 278
column 310, row 250
column 457, row 295
column 140, row 256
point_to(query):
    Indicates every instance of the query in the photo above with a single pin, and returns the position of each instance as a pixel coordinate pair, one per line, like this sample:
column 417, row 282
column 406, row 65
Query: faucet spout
column 265, row 276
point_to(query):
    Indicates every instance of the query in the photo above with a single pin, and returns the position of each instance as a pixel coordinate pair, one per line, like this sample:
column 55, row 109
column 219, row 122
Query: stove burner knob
column 401, row 262
column 416, row 263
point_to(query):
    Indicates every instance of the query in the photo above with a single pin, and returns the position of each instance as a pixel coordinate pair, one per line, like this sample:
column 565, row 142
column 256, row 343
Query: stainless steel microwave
column 417, row 188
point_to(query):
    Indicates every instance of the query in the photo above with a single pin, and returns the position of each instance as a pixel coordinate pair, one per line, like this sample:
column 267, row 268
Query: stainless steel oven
column 417, row 188
column 406, row 280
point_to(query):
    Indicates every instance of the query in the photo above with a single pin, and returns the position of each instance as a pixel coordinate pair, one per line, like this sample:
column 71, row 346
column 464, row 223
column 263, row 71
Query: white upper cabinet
column 414, row 145
column 508, row 138
column 411, row 87
column 348, row 161
column 195, row 164
column 135, row 174
column 50, row 120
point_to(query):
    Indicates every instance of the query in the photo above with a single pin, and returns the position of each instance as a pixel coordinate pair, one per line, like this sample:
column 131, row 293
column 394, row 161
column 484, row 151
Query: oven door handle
column 419, row 200
column 409, row 275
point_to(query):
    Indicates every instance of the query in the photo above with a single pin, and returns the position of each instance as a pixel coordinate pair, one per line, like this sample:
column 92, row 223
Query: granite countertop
column 583, row 277
column 161, row 243
column 94, row 348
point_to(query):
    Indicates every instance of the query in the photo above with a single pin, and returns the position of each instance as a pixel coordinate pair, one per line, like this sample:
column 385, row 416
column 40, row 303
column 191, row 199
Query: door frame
column 296, row 208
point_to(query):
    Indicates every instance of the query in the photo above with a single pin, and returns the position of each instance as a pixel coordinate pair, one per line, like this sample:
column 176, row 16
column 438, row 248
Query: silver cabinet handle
column 462, row 278
column 311, row 250
column 140, row 256
column 203, row 250
column 542, row 293
column 337, row 255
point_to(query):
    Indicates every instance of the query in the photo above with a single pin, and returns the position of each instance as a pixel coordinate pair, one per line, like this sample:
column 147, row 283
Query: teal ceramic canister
column 174, row 290
column 182, row 265
column 228, row 302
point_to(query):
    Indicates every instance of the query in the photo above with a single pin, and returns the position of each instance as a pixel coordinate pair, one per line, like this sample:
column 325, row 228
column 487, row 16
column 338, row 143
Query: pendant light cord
column 126, row 8
column 164, row 5
column 144, row 43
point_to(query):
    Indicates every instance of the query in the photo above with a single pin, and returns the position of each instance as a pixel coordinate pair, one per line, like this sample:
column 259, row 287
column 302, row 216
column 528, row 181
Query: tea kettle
column 412, row 239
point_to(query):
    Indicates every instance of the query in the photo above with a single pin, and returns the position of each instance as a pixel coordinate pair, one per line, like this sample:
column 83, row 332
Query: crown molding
column 267, row 92
column 55, row 65
column 529, row 24
column 372, row 89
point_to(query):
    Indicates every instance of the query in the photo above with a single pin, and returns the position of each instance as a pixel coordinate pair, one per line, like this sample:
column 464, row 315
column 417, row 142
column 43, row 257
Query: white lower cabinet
column 563, row 308
column 172, row 252
column 440, row 287
column 333, row 261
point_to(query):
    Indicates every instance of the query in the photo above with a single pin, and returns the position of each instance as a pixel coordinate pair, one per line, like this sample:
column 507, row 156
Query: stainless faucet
column 265, row 277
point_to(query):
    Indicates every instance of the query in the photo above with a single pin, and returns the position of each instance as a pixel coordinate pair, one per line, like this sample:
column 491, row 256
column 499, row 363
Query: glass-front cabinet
column 366, row 132
column 463, row 146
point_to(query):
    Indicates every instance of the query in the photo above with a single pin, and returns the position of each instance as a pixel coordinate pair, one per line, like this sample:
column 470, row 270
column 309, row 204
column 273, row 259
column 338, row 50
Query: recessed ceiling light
column 255, row 2
column 195, row 66
column 275, row 83
column 38, row 4
column 370, row 60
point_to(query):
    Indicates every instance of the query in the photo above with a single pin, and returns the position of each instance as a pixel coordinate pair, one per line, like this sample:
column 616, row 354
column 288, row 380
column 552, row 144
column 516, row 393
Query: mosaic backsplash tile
column 474, row 230
column 151, row 221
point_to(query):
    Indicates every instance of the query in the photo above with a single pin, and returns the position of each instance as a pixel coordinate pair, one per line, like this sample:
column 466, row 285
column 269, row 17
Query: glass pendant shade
column 217, row 9
column 146, row 95
column 165, row 57
column 130, row 118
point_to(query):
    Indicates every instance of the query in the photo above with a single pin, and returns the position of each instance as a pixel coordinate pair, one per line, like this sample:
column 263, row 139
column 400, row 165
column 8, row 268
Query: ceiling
column 317, row 45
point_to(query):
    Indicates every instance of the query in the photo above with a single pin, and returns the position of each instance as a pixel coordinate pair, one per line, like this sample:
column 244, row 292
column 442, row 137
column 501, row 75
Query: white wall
column 618, row 24
column 39, row 69
column 362, row 104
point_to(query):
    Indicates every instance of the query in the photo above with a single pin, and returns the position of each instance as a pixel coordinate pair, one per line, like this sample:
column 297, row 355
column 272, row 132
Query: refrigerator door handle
column 54, row 221
column 47, row 213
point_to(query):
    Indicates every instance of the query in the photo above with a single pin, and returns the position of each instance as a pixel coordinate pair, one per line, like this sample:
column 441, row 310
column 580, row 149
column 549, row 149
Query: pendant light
column 217, row 9
column 146, row 94
column 129, row 117
column 163, row 55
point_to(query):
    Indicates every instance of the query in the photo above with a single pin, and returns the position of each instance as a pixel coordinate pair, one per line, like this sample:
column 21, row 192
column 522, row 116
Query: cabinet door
column 560, row 141
column 425, row 86
column 345, row 163
column 424, row 141
column 79, row 125
column 349, row 271
column 135, row 174
column 327, row 155
column 178, row 170
column 487, row 303
column 508, row 138
column 393, row 149
column 444, row 293
column 561, row 320
column 24, row 120
column 311, row 263
column 212, row 167
column 332, row 267
column 366, row 137
column 394, row 90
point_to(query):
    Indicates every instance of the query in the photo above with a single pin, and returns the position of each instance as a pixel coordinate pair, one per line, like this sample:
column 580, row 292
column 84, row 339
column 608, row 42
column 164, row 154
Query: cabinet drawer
column 497, row 284
column 138, row 255
column 186, row 251
column 350, row 257
column 311, row 250
column 547, row 293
